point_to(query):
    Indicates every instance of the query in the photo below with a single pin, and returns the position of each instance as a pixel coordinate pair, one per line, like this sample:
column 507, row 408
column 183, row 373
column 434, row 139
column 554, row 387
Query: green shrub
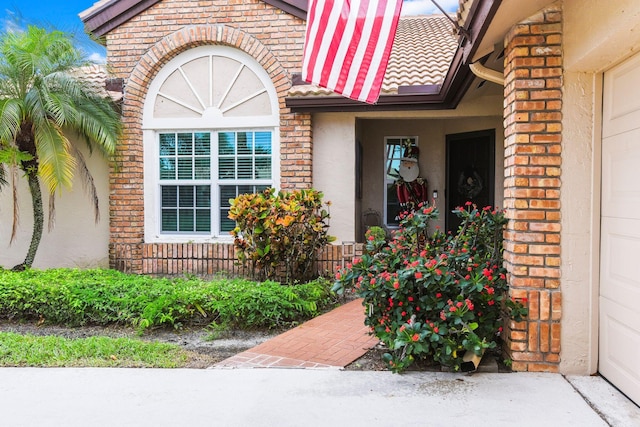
column 279, row 234
column 434, row 296
column 80, row 297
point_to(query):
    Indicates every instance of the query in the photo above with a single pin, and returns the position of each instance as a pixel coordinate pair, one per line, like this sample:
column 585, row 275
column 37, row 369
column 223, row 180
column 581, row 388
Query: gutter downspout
column 487, row 73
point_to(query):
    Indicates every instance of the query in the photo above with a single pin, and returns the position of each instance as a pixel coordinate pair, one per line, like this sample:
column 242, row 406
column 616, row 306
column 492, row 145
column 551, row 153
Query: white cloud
column 98, row 58
column 426, row 7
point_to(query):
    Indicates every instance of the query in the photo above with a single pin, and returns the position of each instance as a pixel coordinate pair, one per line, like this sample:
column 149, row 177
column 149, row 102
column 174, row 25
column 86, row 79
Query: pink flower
column 338, row 276
column 438, row 272
column 436, row 329
column 396, row 285
column 418, row 275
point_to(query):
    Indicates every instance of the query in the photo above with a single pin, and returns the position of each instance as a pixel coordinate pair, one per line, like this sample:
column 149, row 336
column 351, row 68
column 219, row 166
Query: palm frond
column 11, row 113
column 16, row 208
column 88, row 183
column 56, row 162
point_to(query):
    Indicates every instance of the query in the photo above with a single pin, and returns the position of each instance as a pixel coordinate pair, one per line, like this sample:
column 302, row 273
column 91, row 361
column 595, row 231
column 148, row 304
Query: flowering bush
column 434, row 295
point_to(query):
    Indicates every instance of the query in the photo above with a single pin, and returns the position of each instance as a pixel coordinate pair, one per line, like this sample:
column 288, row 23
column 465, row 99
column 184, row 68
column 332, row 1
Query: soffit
column 509, row 12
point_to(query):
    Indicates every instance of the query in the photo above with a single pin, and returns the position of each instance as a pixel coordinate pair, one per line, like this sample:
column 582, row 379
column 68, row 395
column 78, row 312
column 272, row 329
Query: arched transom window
column 210, row 130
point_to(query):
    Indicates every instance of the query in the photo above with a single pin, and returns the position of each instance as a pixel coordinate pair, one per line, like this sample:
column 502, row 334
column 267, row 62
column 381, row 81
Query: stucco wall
column 334, row 170
column 76, row 240
column 597, row 35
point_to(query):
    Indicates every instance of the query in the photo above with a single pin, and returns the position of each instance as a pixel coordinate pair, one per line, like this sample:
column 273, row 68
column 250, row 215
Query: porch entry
column 470, row 172
column 620, row 229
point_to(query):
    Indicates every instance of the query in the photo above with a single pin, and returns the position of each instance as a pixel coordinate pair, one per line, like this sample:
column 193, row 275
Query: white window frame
column 211, row 121
column 386, row 181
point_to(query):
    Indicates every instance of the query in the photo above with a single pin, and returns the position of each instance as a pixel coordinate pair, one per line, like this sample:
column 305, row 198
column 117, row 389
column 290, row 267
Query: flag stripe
column 348, row 43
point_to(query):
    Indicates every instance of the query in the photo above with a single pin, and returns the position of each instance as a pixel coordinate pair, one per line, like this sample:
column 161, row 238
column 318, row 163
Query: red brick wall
column 138, row 49
column 533, row 148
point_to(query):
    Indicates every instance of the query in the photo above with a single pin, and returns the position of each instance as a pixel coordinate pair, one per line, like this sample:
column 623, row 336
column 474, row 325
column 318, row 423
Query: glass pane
column 169, row 197
column 245, row 189
column 263, row 167
column 263, row 143
column 226, row 143
column 203, row 220
column 185, row 196
column 185, row 144
column 185, row 168
column 226, row 168
column 245, row 168
column 203, row 196
column 167, row 144
column 226, row 224
column 261, row 188
column 202, row 168
column 245, row 143
column 169, row 220
column 203, row 143
column 167, row 168
column 393, row 205
column 186, row 222
column 227, row 192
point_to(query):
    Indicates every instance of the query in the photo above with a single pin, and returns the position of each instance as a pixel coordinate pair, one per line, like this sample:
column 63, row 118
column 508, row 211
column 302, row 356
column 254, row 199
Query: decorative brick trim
column 207, row 259
column 533, row 138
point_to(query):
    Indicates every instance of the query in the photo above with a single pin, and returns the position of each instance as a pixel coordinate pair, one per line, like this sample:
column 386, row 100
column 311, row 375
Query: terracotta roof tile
column 96, row 76
column 422, row 52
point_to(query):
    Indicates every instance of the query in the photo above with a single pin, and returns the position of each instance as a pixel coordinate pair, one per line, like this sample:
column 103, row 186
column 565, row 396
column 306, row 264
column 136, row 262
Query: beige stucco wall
column 597, row 35
column 334, row 150
column 75, row 241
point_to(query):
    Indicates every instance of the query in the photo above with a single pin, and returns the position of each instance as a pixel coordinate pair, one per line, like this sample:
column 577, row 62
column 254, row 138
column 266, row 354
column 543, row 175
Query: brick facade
column 139, row 48
column 533, row 148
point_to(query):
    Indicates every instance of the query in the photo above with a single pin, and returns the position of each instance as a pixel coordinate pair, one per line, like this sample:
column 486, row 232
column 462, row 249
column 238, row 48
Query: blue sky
column 63, row 15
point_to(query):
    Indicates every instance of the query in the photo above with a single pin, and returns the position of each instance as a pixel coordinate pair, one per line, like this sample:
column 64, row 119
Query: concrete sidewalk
column 301, row 397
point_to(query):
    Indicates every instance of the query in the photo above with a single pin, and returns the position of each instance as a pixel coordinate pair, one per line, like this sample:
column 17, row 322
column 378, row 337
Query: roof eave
column 297, row 8
column 113, row 14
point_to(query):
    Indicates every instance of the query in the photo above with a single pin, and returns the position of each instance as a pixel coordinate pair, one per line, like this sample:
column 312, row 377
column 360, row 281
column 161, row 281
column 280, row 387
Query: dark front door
column 470, row 172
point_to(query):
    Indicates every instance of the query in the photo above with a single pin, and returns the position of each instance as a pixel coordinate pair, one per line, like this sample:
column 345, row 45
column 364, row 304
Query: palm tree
column 43, row 99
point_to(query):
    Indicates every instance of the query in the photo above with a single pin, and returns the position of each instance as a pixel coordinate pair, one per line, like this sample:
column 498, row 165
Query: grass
column 54, row 351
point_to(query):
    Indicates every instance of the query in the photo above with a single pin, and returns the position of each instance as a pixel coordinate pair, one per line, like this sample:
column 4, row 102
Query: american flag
column 347, row 45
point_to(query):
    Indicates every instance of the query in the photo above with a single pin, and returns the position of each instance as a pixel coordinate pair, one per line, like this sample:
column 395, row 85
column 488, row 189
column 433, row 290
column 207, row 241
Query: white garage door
column 620, row 239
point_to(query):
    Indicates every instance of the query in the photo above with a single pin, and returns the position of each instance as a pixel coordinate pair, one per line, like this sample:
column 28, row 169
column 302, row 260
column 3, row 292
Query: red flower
column 436, row 329
column 418, row 275
column 396, row 285
column 438, row 295
column 415, row 337
column 491, row 302
column 337, row 276
column 404, row 313
column 438, row 272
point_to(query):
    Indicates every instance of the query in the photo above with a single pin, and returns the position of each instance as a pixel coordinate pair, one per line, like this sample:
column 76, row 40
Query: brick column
column 533, row 138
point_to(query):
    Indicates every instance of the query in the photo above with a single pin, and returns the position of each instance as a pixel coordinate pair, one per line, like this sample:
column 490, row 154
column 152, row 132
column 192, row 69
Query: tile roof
column 422, row 52
column 96, row 76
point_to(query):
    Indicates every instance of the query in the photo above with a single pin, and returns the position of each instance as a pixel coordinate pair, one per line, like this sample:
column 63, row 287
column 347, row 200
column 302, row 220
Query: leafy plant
column 279, row 233
column 434, row 295
column 100, row 297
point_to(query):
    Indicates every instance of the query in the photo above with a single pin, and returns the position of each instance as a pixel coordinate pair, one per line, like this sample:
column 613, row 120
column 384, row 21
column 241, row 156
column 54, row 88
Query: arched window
column 210, row 132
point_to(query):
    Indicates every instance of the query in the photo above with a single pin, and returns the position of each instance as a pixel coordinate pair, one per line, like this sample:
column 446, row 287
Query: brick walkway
column 332, row 340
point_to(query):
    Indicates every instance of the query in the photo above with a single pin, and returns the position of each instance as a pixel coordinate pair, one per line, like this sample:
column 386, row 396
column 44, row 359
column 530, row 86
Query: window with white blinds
column 201, row 171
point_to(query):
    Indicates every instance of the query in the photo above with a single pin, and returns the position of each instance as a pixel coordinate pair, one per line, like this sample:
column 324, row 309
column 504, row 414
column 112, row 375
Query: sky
column 63, row 15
